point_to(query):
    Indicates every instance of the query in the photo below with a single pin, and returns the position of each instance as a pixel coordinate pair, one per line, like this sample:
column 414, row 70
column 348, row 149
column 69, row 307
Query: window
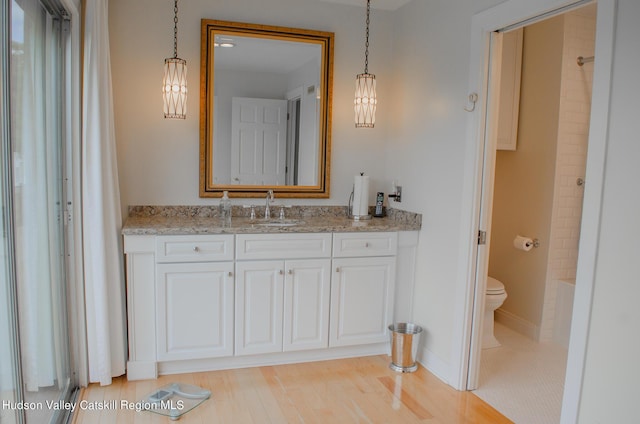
column 37, row 369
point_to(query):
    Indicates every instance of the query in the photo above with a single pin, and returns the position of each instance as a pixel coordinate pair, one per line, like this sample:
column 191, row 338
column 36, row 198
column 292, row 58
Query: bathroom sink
column 280, row 223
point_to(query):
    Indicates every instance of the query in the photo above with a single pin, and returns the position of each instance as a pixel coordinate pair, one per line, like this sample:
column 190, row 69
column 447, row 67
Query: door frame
column 294, row 102
column 478, row 189
column 73, row 197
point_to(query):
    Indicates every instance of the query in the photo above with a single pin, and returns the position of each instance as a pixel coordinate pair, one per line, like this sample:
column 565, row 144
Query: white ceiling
column 264, row 54
column 375, row 4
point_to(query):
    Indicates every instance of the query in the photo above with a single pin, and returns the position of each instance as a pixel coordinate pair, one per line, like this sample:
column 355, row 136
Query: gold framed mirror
column 265, row 110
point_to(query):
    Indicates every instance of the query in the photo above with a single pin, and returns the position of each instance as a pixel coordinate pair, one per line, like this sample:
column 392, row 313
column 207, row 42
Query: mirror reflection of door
column 258, row 141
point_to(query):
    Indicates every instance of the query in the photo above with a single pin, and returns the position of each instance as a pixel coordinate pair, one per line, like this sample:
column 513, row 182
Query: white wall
column 158, row 158
column 426, row 151
column 612, row 369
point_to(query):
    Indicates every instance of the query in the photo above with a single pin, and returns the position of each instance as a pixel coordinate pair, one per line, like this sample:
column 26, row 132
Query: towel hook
column 473, row 98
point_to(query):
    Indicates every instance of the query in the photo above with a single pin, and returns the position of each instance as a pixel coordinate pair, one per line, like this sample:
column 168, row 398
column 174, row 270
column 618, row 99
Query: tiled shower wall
column 573, row 132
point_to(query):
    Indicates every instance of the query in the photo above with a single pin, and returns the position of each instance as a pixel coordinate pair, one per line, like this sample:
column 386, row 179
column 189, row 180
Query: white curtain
column 102, row 220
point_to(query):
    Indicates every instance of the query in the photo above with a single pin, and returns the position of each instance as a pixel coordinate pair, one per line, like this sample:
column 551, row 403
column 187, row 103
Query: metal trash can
column 405, row 338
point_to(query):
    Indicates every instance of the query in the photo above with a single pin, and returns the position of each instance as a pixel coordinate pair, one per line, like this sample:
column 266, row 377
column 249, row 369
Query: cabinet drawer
column 364, row 244
column 201, row 248
column 283, row 246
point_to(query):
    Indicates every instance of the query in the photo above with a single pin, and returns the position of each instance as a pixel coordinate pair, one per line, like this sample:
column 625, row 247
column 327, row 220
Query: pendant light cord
column 175, row 29
column 366, row 44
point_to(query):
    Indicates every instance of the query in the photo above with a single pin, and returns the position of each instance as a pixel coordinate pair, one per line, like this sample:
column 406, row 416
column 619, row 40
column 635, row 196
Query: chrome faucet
column 267, row 210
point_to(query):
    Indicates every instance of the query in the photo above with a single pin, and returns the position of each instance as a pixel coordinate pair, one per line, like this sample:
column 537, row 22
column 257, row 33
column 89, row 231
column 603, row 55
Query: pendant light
column 174, row 83
column 365, row 100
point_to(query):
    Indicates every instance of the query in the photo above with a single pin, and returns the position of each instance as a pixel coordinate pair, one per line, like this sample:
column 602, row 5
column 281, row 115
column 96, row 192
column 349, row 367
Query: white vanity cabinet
column 282, row 293
column 217, row 301
column 194, row 296
column 362, row 287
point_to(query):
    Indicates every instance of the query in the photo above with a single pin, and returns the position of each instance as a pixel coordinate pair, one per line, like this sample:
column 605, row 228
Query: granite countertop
column 175, row 220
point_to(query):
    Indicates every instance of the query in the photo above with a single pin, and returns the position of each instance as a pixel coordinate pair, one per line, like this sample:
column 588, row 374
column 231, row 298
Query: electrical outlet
column 397, row 196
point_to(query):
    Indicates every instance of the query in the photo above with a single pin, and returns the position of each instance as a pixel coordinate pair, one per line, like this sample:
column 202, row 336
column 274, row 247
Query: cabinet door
column 194, row 310
column 306, row 304
column 361, row 300
column 509, row 90
column 259, row 300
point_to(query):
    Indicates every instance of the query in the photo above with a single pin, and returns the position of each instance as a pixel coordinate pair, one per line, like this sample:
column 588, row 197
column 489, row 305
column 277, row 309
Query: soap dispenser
column 224, row 210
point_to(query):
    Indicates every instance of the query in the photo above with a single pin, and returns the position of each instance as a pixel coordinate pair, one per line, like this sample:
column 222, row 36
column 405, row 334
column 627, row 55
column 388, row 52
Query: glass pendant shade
column 174, row 88
column 365, row 101
column 174, row 82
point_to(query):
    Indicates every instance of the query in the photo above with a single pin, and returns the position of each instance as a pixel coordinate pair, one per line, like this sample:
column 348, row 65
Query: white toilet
column 494, row 297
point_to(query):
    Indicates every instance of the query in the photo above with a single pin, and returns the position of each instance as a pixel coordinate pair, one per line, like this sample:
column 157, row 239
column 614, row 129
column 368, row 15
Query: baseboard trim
column 435, row 365
column 142, row 370
column 517, row 324
column 280, row 358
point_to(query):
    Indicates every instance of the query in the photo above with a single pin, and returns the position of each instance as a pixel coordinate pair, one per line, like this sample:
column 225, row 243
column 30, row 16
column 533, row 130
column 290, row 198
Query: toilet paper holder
column 525, row 243
column 535, row 243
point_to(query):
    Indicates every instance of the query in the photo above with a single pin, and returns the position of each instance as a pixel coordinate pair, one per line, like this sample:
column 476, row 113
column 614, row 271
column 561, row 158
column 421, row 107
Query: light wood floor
column 357, row 390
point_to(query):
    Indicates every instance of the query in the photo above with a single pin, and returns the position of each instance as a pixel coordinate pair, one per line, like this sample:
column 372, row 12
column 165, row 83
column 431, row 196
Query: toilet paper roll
column 523, row 243
column 361, row 195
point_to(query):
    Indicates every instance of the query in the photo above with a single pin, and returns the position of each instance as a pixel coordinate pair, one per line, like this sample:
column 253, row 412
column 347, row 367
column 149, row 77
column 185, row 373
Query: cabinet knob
column 230, row 274
column 367, row 244
column 196, row 249
column 337, row 269
column 290, row 272
column 281, row 272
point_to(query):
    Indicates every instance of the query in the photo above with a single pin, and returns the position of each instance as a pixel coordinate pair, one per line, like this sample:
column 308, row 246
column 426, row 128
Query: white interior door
column 258, row 141
column 486, row 207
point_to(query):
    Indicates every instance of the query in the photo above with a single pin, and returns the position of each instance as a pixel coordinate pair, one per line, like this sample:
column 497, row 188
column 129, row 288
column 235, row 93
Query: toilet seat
column 494, row 286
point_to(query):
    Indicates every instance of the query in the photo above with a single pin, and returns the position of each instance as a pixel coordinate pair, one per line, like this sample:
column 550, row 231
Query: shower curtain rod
column 582, row 60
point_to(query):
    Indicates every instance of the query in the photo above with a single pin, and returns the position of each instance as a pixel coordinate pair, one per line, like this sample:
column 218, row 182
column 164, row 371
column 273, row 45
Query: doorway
column 479, row 188
column 293, row 138
column 536, row 195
